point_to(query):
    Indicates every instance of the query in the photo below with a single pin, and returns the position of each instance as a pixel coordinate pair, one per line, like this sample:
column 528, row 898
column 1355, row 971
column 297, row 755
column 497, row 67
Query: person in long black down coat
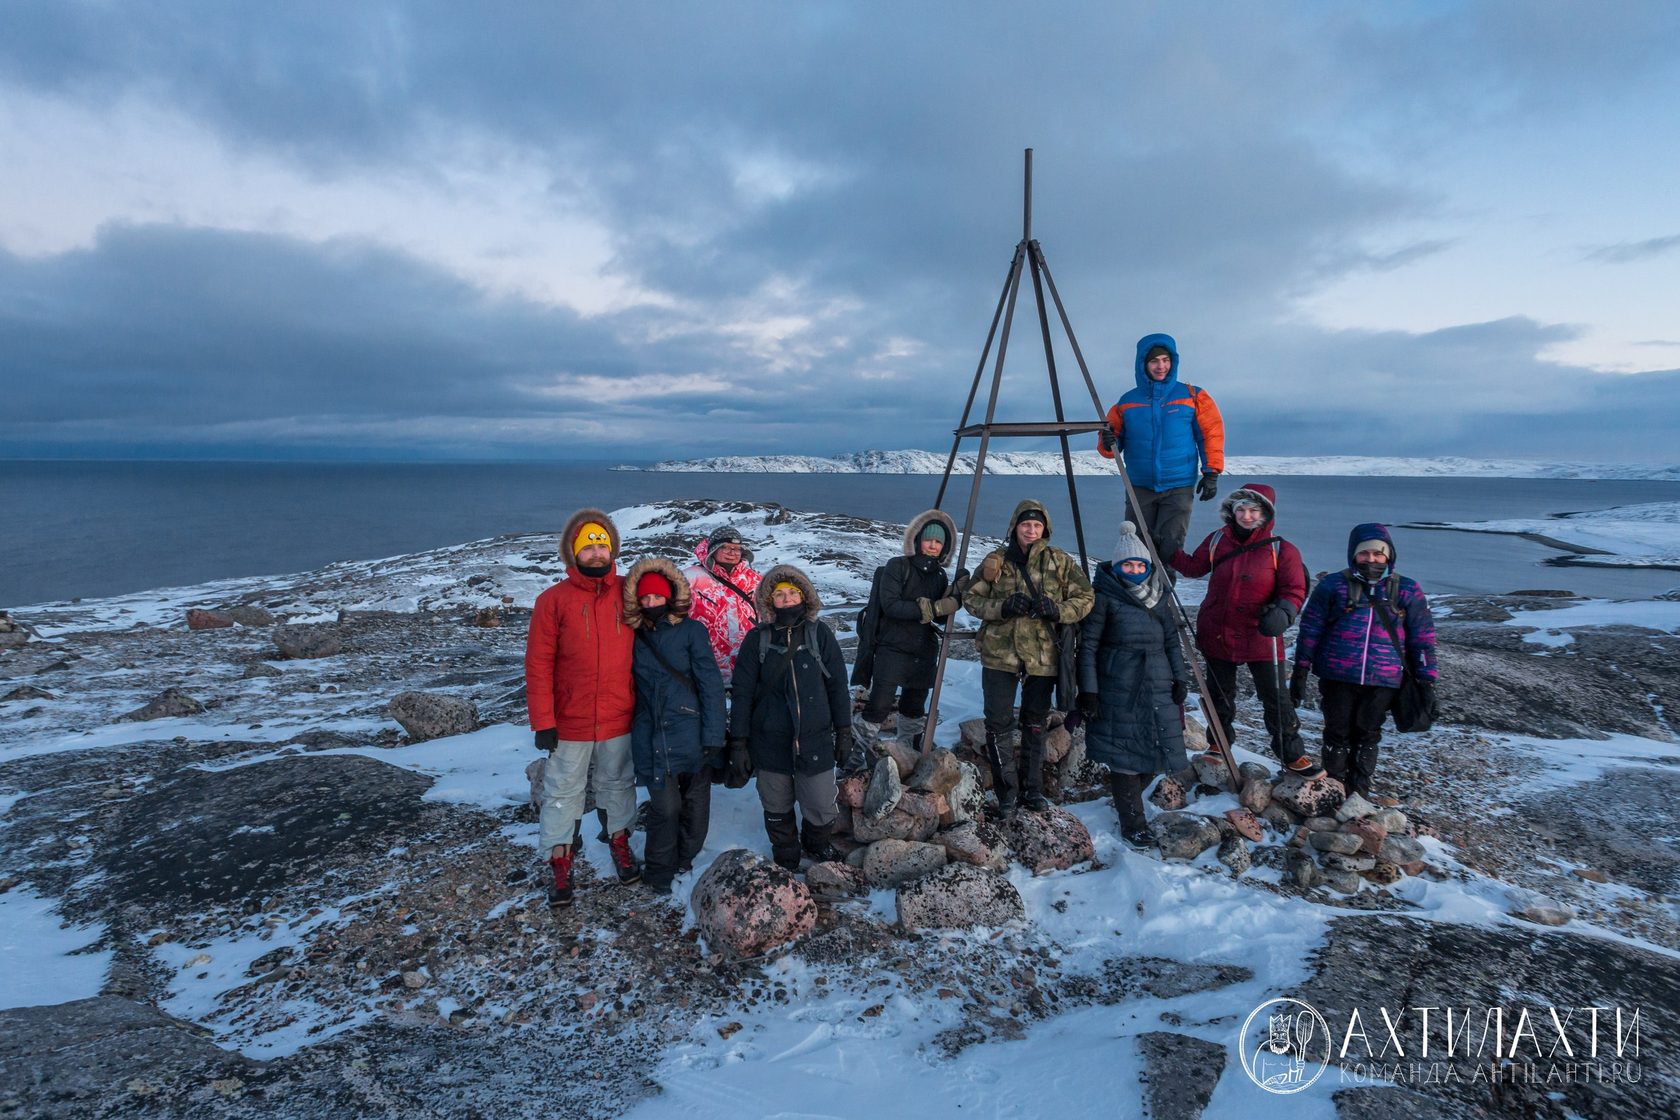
column 677, row 736
column 1132, row 681
column 898, row 636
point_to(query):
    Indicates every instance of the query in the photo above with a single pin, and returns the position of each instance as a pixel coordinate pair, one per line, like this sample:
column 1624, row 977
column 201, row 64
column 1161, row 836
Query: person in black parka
column 792, row 713
column 677, row 734
column 898, row 634
column 1132, row 681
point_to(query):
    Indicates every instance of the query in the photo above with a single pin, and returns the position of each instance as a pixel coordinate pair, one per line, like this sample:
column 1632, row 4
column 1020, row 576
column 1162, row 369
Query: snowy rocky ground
column 1638, row 536
column 271, row 902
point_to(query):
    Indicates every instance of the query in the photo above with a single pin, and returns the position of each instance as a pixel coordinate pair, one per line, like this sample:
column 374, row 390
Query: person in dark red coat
column 1257, row 587
column 581, row 697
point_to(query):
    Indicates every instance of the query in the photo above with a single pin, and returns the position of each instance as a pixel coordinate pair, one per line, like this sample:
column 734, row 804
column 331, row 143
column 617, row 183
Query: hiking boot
column 783, row 832
column 1128, row 804
column 910, row 729
column 1304, row 767
column 1006, row 807
column 629, row 868
column 656, row 887
column 1035, row 803
column 814, row 840
column 560, row 893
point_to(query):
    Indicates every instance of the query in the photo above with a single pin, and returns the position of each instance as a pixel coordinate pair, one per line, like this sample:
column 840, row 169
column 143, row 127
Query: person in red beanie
column 580, row 698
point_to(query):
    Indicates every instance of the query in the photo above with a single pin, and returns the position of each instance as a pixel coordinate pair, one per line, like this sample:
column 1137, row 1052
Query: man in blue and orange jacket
column 1169, row 432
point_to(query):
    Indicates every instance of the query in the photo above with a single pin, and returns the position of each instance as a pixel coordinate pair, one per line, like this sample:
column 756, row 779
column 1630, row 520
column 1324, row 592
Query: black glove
column 1090, row 704
column 1208, row 488
column 1180, row 691
column 547, row 739
column 1105, row 440
column 740, row 764
column 843, row 743
column 1018, row 606
column 713, row 769
column 1298, row 685
column 1047, row 609
column 1275, row 619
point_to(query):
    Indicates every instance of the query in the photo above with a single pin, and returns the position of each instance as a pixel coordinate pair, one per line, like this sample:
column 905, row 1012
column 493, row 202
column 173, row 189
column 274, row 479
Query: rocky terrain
column 312, row 901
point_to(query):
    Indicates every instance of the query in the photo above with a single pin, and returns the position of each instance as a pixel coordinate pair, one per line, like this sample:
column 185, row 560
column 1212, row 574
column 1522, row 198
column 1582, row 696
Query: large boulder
column 431, row 715
column 1309, row 797
column 304, row 642
column 835, row 880
column 1049, row 841
column 892, row 863
column 169, row 702
column 745, row 906
column 884, row 790
column 198, row 619
column 959, row 896
column 964, row 844
column 1184, row 835
column 938, row 772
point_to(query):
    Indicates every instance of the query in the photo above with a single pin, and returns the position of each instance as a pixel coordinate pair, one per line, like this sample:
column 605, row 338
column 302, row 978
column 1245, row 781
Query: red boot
column 624, row 860
column 560, row 894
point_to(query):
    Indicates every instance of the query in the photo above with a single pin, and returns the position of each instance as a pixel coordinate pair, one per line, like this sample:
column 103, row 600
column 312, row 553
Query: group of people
column 681, row 679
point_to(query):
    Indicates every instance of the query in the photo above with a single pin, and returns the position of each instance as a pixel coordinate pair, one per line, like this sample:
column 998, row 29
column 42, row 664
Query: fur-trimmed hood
column 681, row 597
column 577, row 521
column 786, row 573
column 913, row 532
column 1023, row 507
column 1254, row 492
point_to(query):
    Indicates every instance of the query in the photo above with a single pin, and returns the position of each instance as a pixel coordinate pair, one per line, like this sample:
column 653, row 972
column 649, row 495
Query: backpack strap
column 742, row 595
column 682, row 678
column 1275, row 542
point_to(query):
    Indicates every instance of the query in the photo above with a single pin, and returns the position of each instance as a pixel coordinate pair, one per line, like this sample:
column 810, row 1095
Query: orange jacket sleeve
column 1113, row 419
column 1212, row 426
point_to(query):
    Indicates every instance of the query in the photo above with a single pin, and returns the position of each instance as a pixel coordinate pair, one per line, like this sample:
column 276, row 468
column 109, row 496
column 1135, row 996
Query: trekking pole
column 1186, row 638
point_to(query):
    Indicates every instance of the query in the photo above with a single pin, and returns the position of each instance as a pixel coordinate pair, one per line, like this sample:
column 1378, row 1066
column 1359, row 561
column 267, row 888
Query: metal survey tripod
column 1029, row 258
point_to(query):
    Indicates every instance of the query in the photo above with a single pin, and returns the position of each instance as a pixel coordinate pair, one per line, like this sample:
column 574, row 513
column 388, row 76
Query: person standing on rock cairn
column 1132, row 681
column 1169, row 432
column 792, row 712
column 1362, row 629
column 581, row 699
column 1258, row 585
column 677, row 738
column 724, row 586
column 898, row 634
column 1021, row 594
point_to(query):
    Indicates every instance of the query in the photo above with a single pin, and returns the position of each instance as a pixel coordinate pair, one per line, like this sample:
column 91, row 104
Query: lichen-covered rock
column 1211, row 771
column 1049, row 841
column 959, row 896
column 1337, row 861
column 431, row 715
column 1353, row 807
column 1323, row 824
column 1392, row 819
column 891, row 863
column 914, row 817
column 965, row 800
column 1383, row 874
column 1338, row 879
column 884, row 790
column 904, row 756
column 835, row 880
column 1371, row 834
column 1184, row 835
column 1299, row 869
column 1400, row 849
column 1309, row 797
column 938, row 772
column 1195, row 735
column 1254, row 772
column 169, row 702
column 198, row 619
column 852, row 789
column 1246, row 824
column 1279, row 817
column 299, row 643
column 1168, row 794
column 1233, row 853
column 963, row 844
column 745, row 906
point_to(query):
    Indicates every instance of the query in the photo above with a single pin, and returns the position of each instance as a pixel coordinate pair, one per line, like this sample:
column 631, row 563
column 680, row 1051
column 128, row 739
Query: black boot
column 784, row 839
column 815, row 840
column 1128, row 803
column 1032, row 764
column 1335, row 761
column 1000, row 752
column 1362, row 767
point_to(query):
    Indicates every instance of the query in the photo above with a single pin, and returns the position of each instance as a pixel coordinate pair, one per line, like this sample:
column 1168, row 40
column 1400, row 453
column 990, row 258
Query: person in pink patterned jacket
column 723, row 585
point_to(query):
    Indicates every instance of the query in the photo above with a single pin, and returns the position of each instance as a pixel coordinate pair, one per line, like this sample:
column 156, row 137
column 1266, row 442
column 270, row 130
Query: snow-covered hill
column 1088, row 462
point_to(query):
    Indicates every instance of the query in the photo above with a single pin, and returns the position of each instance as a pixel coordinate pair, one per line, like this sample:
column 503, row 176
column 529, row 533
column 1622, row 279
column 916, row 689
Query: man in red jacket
column 1257, row 587
column 581, row 697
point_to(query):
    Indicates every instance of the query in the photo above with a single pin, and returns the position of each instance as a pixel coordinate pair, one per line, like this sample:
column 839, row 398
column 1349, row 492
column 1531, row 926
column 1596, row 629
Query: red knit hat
column 652, row 583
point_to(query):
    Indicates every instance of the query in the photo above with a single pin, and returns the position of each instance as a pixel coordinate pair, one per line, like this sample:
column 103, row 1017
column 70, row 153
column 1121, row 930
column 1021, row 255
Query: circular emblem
column 1285, row 1045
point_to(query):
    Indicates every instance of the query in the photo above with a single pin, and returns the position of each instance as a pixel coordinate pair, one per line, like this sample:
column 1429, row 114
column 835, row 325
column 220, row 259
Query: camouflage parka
column 1027, row 645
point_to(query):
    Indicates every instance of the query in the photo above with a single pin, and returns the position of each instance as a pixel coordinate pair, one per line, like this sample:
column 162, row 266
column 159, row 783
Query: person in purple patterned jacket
column 1345, row 640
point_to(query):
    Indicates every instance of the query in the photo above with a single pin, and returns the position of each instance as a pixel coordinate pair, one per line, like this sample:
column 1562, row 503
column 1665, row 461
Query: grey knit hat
column 1130, row 546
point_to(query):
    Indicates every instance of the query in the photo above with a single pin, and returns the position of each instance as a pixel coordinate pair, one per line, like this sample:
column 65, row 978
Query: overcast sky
column 621, row 230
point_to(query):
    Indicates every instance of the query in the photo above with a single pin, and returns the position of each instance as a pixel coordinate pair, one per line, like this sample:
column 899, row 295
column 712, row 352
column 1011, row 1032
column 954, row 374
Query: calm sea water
column 91, row 529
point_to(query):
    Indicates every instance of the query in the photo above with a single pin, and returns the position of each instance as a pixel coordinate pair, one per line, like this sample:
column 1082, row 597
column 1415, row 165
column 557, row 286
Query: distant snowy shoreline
column 1088, row 462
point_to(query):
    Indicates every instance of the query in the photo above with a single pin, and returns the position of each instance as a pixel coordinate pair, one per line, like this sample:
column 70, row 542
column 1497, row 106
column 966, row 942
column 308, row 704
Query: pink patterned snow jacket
column 727, row 616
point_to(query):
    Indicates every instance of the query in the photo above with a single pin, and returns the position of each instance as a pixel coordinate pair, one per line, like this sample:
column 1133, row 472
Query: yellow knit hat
column 592, row 533
column 794, row 587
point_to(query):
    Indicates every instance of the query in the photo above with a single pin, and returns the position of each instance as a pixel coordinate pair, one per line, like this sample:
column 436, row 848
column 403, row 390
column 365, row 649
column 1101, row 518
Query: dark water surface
column 91, row 529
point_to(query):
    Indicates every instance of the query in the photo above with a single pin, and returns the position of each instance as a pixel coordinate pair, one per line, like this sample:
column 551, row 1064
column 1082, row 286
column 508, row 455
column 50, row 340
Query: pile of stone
column 1334, row 838
column 12, row 634
column 1065, row 765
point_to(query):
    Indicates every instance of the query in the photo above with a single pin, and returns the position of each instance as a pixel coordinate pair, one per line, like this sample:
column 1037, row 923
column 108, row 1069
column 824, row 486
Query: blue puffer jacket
column 675, row 730
column 1344, row 637
column 1169, row 431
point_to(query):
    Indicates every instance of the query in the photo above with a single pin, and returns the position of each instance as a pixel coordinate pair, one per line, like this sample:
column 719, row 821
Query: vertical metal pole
column 1026, row 202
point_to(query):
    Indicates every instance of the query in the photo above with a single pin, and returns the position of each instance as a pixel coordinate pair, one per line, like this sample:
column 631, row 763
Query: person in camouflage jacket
column 1020, row 594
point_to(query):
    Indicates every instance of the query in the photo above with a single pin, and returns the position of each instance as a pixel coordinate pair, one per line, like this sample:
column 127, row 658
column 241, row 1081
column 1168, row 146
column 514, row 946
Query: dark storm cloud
column 867, row 155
